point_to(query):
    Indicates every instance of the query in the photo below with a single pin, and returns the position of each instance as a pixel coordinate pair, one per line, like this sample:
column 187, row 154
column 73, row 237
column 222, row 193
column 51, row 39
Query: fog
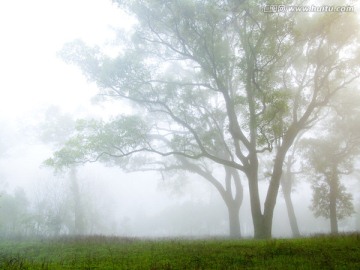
column 36, row 199
column 142, row 204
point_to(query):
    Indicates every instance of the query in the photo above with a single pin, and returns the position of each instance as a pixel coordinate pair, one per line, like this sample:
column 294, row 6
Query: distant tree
column 330, row 157
column 55, row 129
column 14, row 213
column 330, row 198
column 52, row 209
column 191, row 63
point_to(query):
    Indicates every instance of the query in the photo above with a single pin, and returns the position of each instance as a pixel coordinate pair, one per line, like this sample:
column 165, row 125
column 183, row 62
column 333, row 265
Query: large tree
column 193, row 66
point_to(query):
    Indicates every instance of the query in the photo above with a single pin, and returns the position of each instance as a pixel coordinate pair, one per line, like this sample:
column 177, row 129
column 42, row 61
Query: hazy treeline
column 51, row 210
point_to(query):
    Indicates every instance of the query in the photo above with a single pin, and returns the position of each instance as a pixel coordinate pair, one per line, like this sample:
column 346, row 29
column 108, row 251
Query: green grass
column 98, row 252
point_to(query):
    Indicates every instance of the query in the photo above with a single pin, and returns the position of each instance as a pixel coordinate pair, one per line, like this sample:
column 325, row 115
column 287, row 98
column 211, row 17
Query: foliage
column 97, row 140
column 180, row 62
column 321, row 204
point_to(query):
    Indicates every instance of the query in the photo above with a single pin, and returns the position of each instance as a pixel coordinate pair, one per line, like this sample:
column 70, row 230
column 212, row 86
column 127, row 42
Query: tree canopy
column 216, row 80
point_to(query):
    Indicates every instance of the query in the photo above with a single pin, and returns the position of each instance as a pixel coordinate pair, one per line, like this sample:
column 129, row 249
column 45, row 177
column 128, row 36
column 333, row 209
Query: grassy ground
column 97, row 252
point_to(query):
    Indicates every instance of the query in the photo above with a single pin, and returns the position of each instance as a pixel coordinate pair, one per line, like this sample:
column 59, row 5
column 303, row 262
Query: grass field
column 99, row 252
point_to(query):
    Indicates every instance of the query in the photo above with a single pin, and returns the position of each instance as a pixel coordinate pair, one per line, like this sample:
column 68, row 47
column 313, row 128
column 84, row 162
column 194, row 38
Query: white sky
column 31, row 33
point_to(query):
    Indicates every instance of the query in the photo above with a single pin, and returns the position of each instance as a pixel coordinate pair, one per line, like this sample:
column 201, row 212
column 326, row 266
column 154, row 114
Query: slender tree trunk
column 78, row 211
column 333, row 199
column 291, row 213
column 286, row 184
column 357, row 220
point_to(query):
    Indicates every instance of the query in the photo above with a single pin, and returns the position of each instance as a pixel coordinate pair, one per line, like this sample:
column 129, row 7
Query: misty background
column 36, row 84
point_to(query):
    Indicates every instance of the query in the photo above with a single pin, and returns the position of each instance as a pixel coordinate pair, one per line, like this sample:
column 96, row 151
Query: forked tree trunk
column 273, row 190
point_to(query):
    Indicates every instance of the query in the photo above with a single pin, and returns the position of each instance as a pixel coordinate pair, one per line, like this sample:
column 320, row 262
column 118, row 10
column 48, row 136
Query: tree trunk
column 233, row 202
column 333, row 199
column 78, row 211
column 258, row 219
column 272, row 194
column 357, row 220
column 234, row 221
column 274, row 185
column 291, row 214
column 286, row 184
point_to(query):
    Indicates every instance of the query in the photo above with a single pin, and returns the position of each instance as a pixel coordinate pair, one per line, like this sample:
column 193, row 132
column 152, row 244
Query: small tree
column 333, row 156
column 330, row 199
